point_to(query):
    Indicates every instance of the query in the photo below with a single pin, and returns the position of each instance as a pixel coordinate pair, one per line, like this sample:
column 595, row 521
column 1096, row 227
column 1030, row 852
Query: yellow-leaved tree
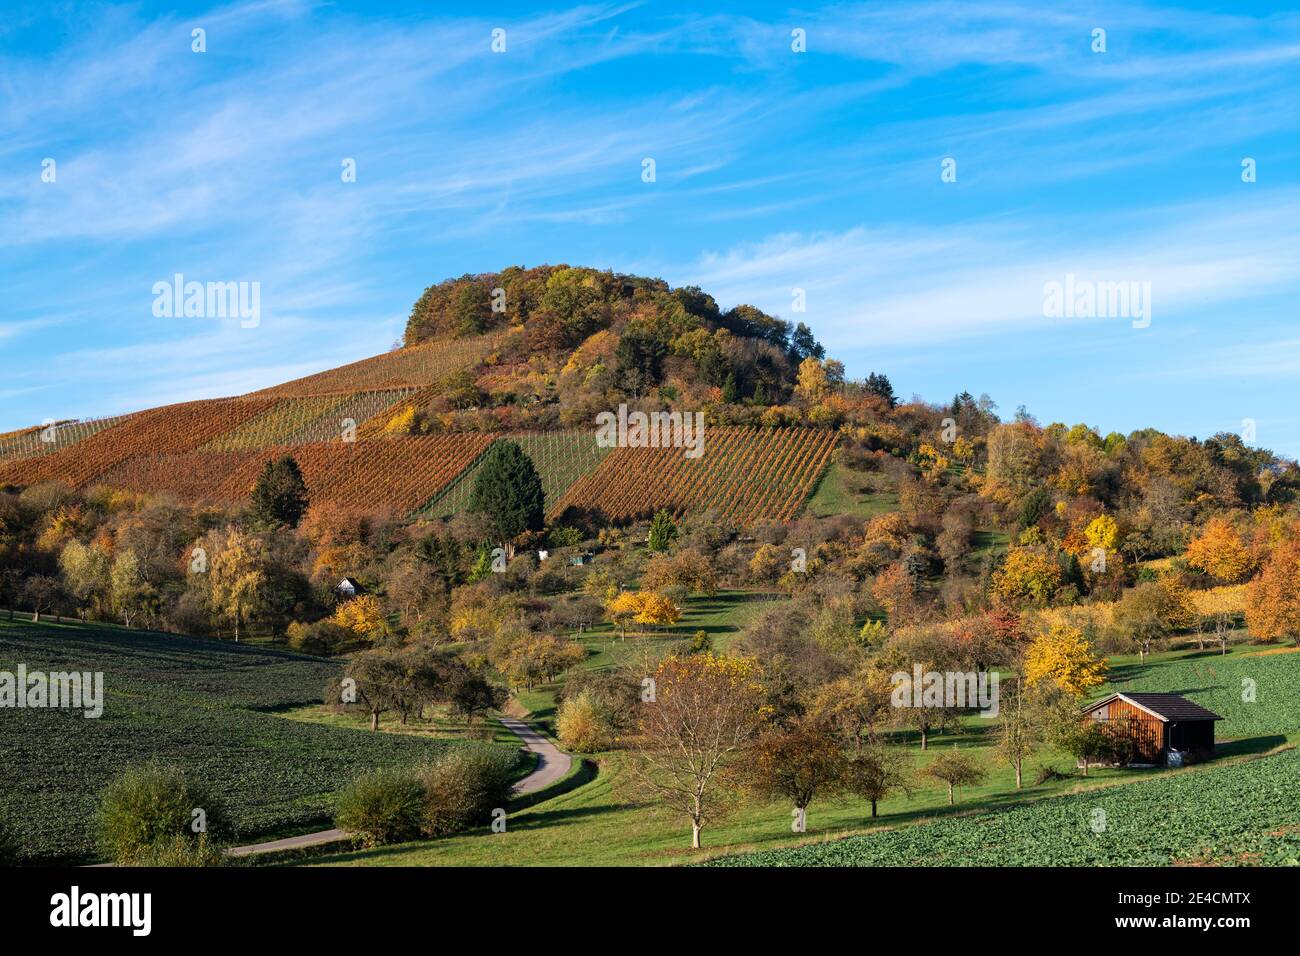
column 657, row 610
column 641, row 607
column 1102, row 532
column 237, row 577
column 1062, row 654
column 363, row 616
column 1028, row 578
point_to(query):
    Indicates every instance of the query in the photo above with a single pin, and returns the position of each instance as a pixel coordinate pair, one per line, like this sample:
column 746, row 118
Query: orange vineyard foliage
column 172, row 428
column 745, row 475
column 396, row 474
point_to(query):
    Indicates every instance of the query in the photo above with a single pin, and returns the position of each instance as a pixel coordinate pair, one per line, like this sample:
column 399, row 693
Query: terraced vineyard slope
column 561, row 459
column 744, row 475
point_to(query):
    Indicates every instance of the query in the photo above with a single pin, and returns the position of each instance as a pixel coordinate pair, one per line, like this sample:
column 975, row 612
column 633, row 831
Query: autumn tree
column 656, row 610
column 236, row 577
column 896, row 590
column 128, row 589
column 527, row 659
column 41, row 592
column 1020, row 722
column 704, row 714
column 921, row 708
column 373, row 680
column 1149, row 613
column 797, row 763
column 687, row 569
column 811, row 385
column 858, row 707
column 1220, row 552
column 875, row 772
column 1014, row 463
column 1062, row 655
column 955, row 769
column 1102, row 532
column 1028, row 578
column 86, row 575
column 1273, row 598
column 363, row 617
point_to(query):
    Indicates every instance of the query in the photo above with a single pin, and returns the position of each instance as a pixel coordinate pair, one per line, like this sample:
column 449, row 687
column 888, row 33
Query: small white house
column 347, row 588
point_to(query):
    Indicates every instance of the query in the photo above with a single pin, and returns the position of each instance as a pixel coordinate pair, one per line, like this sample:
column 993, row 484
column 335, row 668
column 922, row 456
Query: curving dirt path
column 552, row 765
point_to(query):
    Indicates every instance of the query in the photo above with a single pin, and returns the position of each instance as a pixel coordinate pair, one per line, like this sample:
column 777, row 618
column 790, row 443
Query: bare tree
column 698, row 716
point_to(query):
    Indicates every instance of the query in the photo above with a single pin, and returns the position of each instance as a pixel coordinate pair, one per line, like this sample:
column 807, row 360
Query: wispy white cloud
column 903, row 283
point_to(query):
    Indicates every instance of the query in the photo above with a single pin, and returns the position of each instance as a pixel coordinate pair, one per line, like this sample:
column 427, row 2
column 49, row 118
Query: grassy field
column 602, row 823
column 722, row 617
column 209, row 706
column 835, row 496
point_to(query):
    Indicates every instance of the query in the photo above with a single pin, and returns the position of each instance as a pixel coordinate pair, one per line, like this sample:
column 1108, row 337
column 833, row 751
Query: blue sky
column 775, row 170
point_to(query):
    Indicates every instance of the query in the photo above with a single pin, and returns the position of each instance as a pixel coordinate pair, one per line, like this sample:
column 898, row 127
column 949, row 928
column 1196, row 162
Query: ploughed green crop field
column 199, row 703
column 1245, row 813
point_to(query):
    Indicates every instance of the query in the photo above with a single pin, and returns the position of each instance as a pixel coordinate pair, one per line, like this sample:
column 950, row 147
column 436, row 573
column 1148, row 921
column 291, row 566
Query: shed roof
column 1167, row 707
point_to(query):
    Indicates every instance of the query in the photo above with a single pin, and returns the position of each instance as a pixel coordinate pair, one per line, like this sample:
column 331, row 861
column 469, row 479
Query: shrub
column 180, row 851
column 1047, row 773
column 320, row 637
column 581, row 725
column 462, row 788
column 381, row 806
column 151, row 806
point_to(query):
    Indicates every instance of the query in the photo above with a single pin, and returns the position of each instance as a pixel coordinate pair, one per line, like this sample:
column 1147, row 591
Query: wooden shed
column 1155, row 724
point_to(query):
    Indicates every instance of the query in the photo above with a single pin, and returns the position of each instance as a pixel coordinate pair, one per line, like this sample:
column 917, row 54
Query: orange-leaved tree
column 1273, row 598
column 1220, row 552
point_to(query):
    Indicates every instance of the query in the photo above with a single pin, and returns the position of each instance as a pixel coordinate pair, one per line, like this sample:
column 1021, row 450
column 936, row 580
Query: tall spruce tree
column 509, row 491
column 280, row 495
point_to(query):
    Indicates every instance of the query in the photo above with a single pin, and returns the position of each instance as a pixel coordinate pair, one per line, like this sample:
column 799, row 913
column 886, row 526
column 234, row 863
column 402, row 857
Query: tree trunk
column 374, row 720
column 873, row 809
column 695, row 835
column 36, row 617
column 924, row 738
column 1018, row 778
column 950, row 795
